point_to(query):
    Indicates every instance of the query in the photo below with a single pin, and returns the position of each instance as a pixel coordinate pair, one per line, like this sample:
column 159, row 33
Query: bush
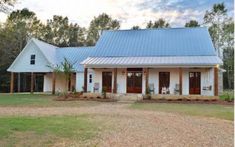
column 228, row 95
column 64, row 94
column 104, row 91
column 147, row 93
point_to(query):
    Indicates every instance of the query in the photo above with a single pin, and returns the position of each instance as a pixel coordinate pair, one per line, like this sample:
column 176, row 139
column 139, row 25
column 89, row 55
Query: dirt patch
column 85, row 99
column 130, row 127
column 187, row 101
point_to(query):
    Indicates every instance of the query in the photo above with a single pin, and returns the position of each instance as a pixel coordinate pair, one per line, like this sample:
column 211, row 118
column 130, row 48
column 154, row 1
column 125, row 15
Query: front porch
column 168, row 81
column 41, row 82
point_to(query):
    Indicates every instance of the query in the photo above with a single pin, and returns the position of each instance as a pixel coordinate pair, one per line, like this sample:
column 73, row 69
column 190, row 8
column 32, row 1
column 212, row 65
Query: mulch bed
column 187, row 101
column 84, row 99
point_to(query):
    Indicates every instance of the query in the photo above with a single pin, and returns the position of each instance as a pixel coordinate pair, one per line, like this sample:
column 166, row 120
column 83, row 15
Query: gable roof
column 155, row 42
column 55, row 55
column 30, row 48
column 47, row 49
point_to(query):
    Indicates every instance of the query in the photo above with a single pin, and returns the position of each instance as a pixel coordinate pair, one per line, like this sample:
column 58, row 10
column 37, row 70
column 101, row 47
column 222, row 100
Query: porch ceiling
column 163, row 61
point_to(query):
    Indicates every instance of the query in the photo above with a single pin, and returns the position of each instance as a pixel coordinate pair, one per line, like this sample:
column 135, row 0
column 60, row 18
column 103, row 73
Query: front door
column 194, row 83
column 134, row 80
column 164, row 80
column 107, row 81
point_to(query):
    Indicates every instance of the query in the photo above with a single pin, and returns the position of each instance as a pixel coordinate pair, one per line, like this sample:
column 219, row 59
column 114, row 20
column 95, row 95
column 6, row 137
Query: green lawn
column 41, row 100
column 77, row 129
column 216, row 111
column 45, row 130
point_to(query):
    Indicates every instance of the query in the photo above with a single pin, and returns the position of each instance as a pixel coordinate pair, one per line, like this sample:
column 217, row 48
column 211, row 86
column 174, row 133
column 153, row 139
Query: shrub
column 104, row 91
column 147, row 93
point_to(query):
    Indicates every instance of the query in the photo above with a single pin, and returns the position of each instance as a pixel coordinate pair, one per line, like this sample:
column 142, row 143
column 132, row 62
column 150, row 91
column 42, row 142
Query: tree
column 192, row 23
column 160, row 23
column 215, row 20
column 228, row 54
column 100, row 23
column 221, row 29
column 6, row 4
column 135, row 28
column 58, row 31
column 20, row 26
column 66, row 69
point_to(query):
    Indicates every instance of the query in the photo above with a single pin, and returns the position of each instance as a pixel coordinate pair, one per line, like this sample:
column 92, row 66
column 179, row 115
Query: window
column 32, row 59
column 90, row 78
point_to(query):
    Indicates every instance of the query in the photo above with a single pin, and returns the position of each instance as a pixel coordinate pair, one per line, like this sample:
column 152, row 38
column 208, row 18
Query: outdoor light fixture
column 145, row 72
column 123, row 72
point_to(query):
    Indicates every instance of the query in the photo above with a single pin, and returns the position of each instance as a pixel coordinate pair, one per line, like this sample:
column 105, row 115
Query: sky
column 128, row 12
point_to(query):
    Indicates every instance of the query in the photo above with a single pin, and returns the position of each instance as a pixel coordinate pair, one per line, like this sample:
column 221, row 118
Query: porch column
column 180, row 81
column 115, row 81
column 18, row 82
column 146, row 79
column 70, row 82
column 12, row 83
column 53, row 82
column 216, row 89
column 32, row 82
column 85, row 80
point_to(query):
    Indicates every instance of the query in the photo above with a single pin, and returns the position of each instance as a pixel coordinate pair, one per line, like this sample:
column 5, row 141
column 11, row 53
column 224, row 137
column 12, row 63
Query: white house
column 172, row 61
column 176, row 61
column 36, row 59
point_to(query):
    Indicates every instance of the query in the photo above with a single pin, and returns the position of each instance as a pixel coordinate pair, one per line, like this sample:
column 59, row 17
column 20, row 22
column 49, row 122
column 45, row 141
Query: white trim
column 42, row 52
column 148, row 66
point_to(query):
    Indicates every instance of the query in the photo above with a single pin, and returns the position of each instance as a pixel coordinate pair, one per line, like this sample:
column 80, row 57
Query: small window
column 90, row 78
column 32, row 59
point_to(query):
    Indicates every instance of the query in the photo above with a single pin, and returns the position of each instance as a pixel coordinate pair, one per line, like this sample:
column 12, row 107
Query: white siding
column 90, row 85
column 60, row 83
column 22, row 63
column 207, row 77
column 98, row 77
column 154, row 78
column 121, row 80
column 80, row 81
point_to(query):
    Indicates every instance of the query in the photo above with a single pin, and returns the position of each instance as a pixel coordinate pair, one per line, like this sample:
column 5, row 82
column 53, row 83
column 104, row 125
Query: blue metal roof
column 155, row 42
column 156, row 61
column 74, row 55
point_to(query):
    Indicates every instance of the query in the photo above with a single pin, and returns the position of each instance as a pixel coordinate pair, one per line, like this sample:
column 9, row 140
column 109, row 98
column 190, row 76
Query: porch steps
column 129, row 97
column 126, row 101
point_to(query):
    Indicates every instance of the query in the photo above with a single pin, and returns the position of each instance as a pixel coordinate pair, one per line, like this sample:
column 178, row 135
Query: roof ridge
column 37, row 40
column 149, row 29
column 74, row 47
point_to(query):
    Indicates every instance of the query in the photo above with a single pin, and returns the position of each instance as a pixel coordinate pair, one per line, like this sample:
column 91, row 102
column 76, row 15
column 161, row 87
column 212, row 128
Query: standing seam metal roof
column 155, row 42
column 56, row 55
column 74, row 55
column 151, row 61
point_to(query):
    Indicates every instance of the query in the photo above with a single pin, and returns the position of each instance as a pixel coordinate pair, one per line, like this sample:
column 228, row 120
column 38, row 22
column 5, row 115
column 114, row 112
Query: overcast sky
column 128, row 12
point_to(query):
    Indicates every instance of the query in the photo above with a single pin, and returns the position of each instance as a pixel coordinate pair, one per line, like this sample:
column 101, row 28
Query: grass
column 41, row 100
column 216, row 111
column 24, row 99
column 79, row 129
column 44, row 130
column 227, row 95
column 47, row 130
